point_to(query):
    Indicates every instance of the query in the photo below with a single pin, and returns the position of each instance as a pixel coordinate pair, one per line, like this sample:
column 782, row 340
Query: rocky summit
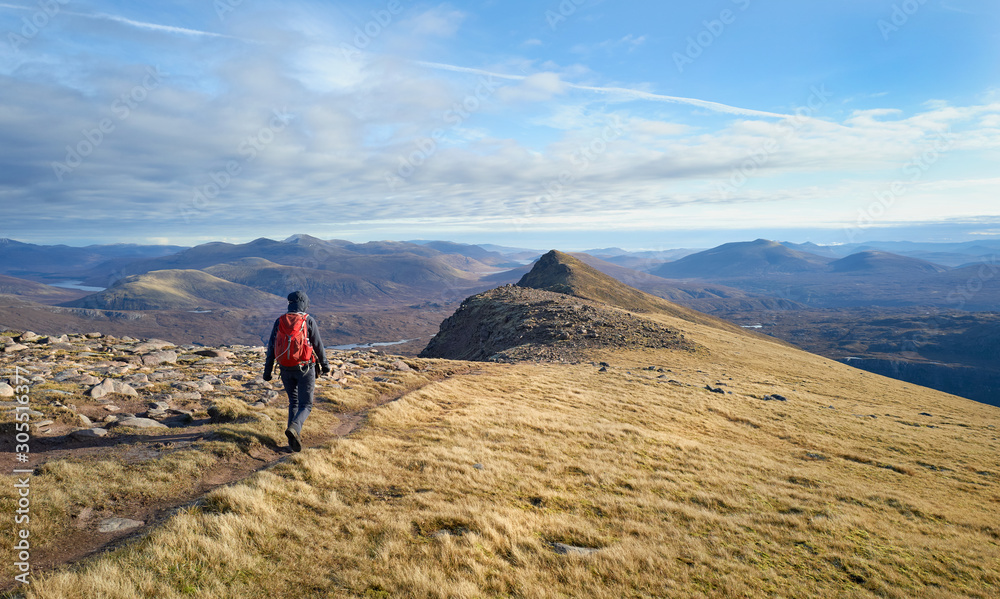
column 513, row 323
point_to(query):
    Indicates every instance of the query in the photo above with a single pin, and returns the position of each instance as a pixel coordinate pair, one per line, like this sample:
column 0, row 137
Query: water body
column 369, row 345
column 753, row 326
column 77, row 285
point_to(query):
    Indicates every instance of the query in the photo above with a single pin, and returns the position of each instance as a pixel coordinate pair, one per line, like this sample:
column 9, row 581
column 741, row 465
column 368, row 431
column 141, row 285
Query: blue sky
column 570, row 124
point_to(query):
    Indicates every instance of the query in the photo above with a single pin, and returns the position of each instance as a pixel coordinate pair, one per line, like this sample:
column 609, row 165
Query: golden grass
column 461, row 488
column 100, row 484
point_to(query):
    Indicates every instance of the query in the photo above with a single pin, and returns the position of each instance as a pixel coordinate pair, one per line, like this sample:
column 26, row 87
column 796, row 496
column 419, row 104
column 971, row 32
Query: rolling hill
column 326, row 289
column 884, row 264
column 177, row 290
column 743, row 259
column 38, row 292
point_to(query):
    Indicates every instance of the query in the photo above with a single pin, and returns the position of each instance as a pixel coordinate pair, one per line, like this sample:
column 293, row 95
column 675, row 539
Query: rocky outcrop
column 514, row 323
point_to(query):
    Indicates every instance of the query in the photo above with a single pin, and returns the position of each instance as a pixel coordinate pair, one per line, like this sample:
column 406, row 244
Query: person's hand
column 325, row 369
column 267, row 376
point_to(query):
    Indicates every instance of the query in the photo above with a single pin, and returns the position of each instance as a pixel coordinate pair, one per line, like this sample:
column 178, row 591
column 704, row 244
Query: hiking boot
column 293, row 439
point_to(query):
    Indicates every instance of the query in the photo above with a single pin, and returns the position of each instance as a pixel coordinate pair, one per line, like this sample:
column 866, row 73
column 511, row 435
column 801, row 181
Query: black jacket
column 298, row 302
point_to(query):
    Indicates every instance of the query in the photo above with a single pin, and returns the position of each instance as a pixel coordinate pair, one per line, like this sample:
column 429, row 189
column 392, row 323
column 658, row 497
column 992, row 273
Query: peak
column 553, row 272
column 302, row 239
column 562, row 273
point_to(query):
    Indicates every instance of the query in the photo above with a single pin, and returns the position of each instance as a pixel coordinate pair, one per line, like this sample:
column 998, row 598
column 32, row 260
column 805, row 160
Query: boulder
column 401, row 366
column 14, row 347
column 216, row 353
column 151, row 345
column 108, row 386
column 63, row 375
column 6, row 390
column 564, row 549
column 137, row 422
column 159, row 357
column 118, row 524
column 29, row 336
column 89, row 433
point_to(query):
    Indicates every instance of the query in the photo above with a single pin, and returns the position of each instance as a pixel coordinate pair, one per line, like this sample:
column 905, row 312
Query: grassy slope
column 688, row 492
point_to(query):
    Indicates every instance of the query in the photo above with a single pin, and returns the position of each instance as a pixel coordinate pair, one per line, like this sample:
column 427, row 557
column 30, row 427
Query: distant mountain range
column 945, row 254
column 864, row 278
column 389, row 291
column 52, row 262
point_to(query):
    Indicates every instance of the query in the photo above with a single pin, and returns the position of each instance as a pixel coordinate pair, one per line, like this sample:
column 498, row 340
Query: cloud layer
column 288, row 125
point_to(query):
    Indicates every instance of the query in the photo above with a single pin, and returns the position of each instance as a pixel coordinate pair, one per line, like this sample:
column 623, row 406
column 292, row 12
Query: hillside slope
column 37, row 292
column 176, row 290
column 748, row 468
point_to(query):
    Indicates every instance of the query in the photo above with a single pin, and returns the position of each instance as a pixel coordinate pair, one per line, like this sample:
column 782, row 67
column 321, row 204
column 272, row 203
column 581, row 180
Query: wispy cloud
column 621, row 92
column 125, row 21
column 149, row 26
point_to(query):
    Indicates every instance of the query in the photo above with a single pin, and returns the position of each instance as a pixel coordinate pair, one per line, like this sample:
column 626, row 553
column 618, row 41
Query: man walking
column 295, row 344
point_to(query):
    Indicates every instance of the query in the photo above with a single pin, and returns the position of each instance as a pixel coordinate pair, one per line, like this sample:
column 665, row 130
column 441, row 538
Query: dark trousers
column 299, row 385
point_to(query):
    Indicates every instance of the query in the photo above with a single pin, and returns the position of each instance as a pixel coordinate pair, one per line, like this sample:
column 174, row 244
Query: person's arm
column 269, row 357
column 316, row 340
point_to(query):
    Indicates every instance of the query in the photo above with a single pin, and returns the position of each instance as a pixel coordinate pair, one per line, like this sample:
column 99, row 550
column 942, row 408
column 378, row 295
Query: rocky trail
column 95, row 398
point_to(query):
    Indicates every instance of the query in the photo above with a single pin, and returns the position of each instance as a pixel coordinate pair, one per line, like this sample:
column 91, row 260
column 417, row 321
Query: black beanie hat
column 298, row 301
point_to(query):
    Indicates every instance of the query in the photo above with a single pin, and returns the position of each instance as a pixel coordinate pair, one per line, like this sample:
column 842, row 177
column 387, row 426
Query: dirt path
column 85, row 541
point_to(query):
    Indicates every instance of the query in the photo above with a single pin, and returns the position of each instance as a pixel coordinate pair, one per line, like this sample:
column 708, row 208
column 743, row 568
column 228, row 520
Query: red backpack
column 291, row 344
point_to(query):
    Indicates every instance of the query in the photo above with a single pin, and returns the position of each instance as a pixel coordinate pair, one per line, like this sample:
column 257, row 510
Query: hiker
column 297, row 347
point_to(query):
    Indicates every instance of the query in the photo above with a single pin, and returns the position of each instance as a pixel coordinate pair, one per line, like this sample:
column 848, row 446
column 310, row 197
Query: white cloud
column 539, row 87
column 441, row 21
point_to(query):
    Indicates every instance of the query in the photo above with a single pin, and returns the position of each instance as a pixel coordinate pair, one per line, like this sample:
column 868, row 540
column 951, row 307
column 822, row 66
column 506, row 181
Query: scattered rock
column 715, row 389
column 924, row 414
column 774, row 398
column 401, row 366
column 6, row 390
column 118, row 524
column 84, row 420
column 28, row 337
column 14, row 347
